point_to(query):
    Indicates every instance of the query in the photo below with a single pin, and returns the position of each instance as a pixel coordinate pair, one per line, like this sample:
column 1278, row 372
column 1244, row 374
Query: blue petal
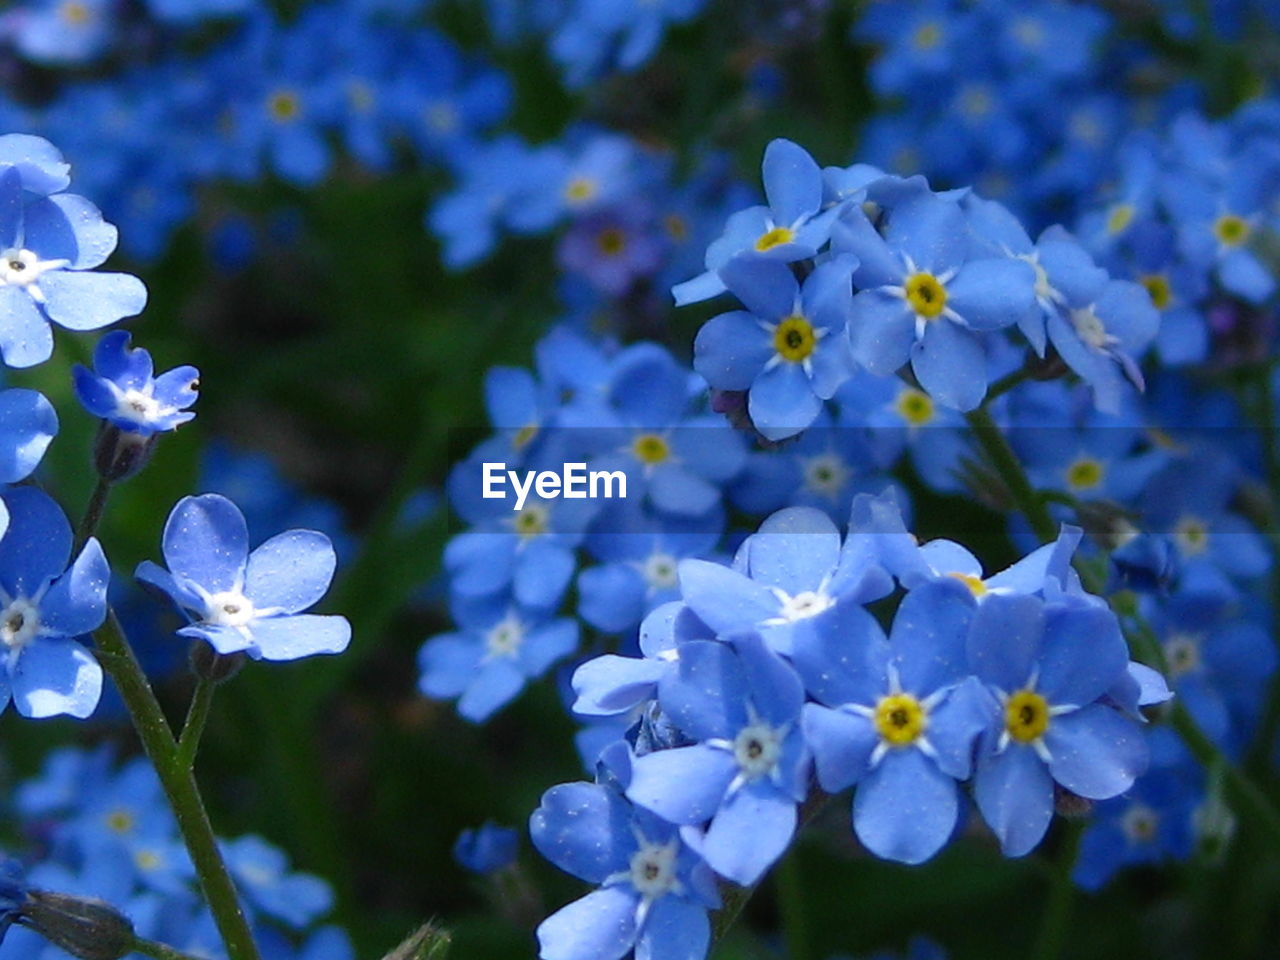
column 87, row 301
column 882, row 331
column 782, row 401
column 792, row 181
column 724, row 599
column 706, row 696
column 611, row 597
column 730, row 350
column 906, row 808
column 1095, row 752
column 1004, row 640
column 675, row 929
column 794, row 549
column 205, row 541
column 951, row 365
column 27, row 425
column 989, row 294
column 25, row 337
column 1084, row 654
column 448, row 662
column 511, row 397
column 1015, row 794
column 767, row 288
column 546, row 644
column 301, row 635
column 776, row 690
column 69, row 227
column 841, row 655
column 929, row 635
column 37, row 544
column 841, row 743
column 684, row 785
column 542, row 574
column 584, row 829
column 291, row 571
column 676, row 490
column 223, row 639
column 113, row 360
column 750, row 832
column 702, row 287
column 54, row 677
column 497, row 684
column 609, row 685
column 600, row 926
column 956, row 724
column 77, row 601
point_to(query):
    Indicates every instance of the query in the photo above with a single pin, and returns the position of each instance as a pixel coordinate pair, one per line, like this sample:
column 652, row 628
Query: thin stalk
column 92, row 513
column 197, row 715
column 1056, row 923
column 160, row 951
column 795, row 921
column 117, row 658
column 1009, row 468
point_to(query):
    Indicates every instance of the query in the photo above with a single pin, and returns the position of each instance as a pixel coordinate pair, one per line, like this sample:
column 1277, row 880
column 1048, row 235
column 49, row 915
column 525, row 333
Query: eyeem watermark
column 574, row 482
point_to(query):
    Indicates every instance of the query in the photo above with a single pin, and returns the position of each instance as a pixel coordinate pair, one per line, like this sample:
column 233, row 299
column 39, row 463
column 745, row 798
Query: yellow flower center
column 1158, row 289
column 900, row 719
column 74, row 13
column 651, row 449
column 580, row 190
column 1191, row 535
column 531, row 521
column 975, row 584
column 793, row 339
column 1231, row 230
column 1084, row 474
column 927, row 36
column 611, row 241
column 774, row 238
column 915, row 406
column 926, row 294
column 283, row 106
column 677, row 227
column 1120, row 217
column 524, row 436
column 1026, row 716
column 120, row 821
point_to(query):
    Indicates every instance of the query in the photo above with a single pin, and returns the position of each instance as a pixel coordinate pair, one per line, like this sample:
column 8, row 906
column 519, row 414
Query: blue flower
column 654, row 890
column 123, row 391
column 748, row 767
column 13, row 893
column 1051, row 666
column 44, row 606
column 487, row 663
column 486, row 848
column 47, row 247
column 923, row 296
column 789, row 348
column 262, row 875
column 898, row 717
column 242, row 601
column 792, row 227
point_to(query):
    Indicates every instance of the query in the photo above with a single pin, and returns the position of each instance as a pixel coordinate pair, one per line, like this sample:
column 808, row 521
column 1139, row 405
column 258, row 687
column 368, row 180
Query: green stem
column 1056, row 924
column 117, row 658
column 197, row 715
column 1006, row 383
column 1269, row 728
column 92, row 514
column 1009, row 468
column 160, row 951
column 795, row 923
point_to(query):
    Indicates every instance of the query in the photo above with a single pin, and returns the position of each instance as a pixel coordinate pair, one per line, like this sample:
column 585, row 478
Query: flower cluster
column 771, row 671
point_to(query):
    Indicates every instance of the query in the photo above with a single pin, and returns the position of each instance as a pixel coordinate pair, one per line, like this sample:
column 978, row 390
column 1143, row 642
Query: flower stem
column 117, row 658
column 791, row 905
column 1009, row 468
column 160, row 951
column 197, row 715
column 1056, row 923
column 92, row 514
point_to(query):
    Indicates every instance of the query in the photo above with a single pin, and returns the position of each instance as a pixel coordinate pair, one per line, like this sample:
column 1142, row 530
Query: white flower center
column 139, row 406
column 19, row 624
column 825, row 474
column 504, row 638
column 653, row 869
column 757, row 748
column 1139, row 823
column 1182, row 652
column 806, row 604
column 22, row 268
column 660, row 571
column 1090, row 329
column 229, row 609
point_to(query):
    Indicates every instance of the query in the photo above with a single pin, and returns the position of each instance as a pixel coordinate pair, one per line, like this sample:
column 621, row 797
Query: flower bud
column 425, row 943
column 119, row 454
column 84, row 927
column 207, row 664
